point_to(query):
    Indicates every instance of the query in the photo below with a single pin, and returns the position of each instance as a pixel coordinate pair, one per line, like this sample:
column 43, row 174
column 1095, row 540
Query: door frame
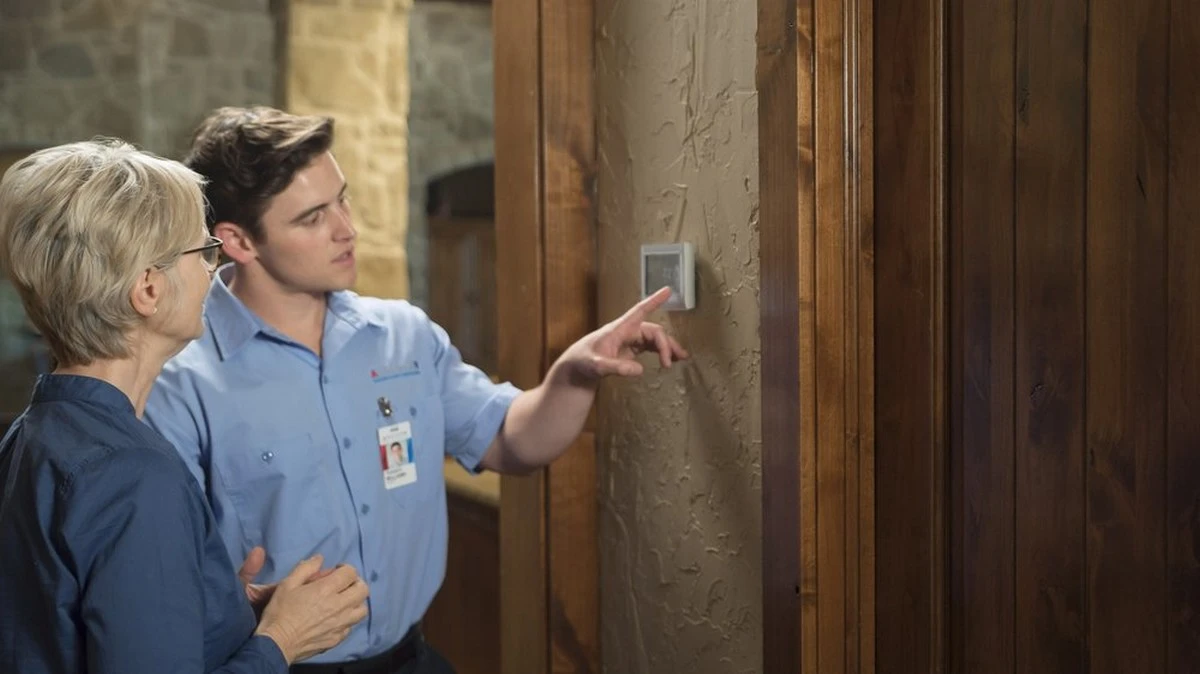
column 815, row 73
column 546, row 298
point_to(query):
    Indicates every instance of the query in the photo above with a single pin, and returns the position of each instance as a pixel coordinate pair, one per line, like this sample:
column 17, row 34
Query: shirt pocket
column 412, row 400
column 281, row 491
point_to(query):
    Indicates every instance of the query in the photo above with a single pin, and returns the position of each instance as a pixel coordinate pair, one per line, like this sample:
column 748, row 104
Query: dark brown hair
column 249, row 155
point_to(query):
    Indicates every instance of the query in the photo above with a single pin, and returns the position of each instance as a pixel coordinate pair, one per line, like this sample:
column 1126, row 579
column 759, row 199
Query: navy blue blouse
column 109, row 560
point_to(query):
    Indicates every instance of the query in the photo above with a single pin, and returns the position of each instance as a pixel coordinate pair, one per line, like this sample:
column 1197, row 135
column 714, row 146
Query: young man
column 283, row 406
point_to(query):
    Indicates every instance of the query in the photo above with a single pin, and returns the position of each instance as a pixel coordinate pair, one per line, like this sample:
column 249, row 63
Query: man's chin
column 348, row 281
column 342, row 282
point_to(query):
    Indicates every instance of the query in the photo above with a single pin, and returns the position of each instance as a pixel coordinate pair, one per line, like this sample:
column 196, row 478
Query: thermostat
column 671, row 265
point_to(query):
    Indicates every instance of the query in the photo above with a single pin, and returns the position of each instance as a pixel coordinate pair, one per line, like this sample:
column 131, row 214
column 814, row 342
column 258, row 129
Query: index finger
column 638, row 312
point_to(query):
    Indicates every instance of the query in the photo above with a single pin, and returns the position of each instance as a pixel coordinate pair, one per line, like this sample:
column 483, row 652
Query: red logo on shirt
column 374, row 374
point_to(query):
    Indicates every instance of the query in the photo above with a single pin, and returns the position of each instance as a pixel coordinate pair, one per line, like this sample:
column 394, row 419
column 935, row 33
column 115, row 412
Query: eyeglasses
column 211, row 250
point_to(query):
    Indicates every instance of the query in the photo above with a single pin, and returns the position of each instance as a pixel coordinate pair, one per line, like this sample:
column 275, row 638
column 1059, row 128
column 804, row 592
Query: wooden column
column 545, row 222
column 815, row 134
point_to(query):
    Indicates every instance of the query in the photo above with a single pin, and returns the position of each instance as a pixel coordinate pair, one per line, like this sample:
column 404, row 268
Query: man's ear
column 239, row 245
column 147, row 292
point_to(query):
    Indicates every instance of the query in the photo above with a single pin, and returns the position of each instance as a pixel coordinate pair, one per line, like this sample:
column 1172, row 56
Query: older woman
column 109, row 559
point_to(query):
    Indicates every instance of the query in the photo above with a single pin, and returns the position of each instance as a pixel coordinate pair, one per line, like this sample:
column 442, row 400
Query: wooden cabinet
column 464, row 621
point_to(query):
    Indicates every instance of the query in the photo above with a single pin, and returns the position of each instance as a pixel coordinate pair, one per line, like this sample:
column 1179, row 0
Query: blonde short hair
column 78, row 224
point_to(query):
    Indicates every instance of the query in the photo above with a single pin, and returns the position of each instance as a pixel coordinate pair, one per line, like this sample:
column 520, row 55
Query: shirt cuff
column 265, row 648
column 486, row 425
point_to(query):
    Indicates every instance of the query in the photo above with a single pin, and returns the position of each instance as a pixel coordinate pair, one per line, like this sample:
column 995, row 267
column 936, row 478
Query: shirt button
column 374, row 577
column 412, row 411
column 267, row 456
column 324, row 379
column 346, row 443
column 366, row 509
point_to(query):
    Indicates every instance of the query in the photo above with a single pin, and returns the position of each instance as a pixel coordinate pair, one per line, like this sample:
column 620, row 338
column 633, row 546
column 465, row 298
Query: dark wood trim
column 817, row 313
column 781, row 172
column 1183, row 340
column 860, row 20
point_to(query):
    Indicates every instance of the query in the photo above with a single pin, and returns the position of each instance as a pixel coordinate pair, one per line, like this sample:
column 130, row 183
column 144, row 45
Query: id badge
column 396, row 454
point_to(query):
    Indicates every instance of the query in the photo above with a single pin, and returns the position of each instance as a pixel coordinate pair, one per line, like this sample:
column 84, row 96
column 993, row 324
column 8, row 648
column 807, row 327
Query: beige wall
column 679, row 453
column 349, row 59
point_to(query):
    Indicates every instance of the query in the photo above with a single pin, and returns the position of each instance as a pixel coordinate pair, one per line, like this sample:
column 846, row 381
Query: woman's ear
column 239, row 245
column 148, row 292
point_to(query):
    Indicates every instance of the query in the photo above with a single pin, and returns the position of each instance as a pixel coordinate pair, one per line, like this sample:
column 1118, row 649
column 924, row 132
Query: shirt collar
column 233, row 324
column 349, row 307
column 78, row 388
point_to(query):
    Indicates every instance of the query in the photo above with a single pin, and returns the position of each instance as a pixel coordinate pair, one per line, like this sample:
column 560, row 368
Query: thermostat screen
column 663, row 270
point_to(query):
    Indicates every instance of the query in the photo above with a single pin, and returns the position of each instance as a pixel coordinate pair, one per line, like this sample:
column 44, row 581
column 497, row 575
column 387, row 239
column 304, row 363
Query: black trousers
column 412, row 655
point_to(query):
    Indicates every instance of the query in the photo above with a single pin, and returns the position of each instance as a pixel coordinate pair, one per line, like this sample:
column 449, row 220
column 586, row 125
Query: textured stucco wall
column 349, row 59
column 679, row 453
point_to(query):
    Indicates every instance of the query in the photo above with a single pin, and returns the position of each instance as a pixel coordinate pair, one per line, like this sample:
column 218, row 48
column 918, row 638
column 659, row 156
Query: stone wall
column 450, row 118
column 349, row 59
column 142, row 70
column 197, row 55
column 679, row 453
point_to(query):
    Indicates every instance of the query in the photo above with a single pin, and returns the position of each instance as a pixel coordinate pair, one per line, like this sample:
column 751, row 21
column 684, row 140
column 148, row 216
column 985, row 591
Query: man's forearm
column 543, row 422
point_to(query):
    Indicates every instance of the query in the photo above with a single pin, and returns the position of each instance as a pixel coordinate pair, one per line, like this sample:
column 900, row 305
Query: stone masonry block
column 66, row 59
column 383, row 273
column 322, row 78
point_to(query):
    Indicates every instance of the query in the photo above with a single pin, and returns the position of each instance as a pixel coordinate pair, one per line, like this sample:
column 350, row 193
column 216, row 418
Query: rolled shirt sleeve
column 475, row 406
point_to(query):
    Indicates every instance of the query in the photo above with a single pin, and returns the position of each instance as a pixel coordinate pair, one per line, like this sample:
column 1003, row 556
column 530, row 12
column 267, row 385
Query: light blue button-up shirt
column 286, row 445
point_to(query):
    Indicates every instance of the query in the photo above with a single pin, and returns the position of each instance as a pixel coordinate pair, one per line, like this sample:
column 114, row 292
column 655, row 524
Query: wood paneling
column 981, row 207
column 1049, row 376
column 1072, row 337
column 464, row 621
column 1183, row 341
column 569, row 161
column 817, row 285
column 910, row 317
column 524, row 579
column 546, row 256
column 1036, row 259
column 1126, row 336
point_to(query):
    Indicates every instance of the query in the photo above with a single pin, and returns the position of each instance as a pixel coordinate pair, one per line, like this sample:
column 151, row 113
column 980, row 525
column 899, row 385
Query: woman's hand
column 312, row 611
